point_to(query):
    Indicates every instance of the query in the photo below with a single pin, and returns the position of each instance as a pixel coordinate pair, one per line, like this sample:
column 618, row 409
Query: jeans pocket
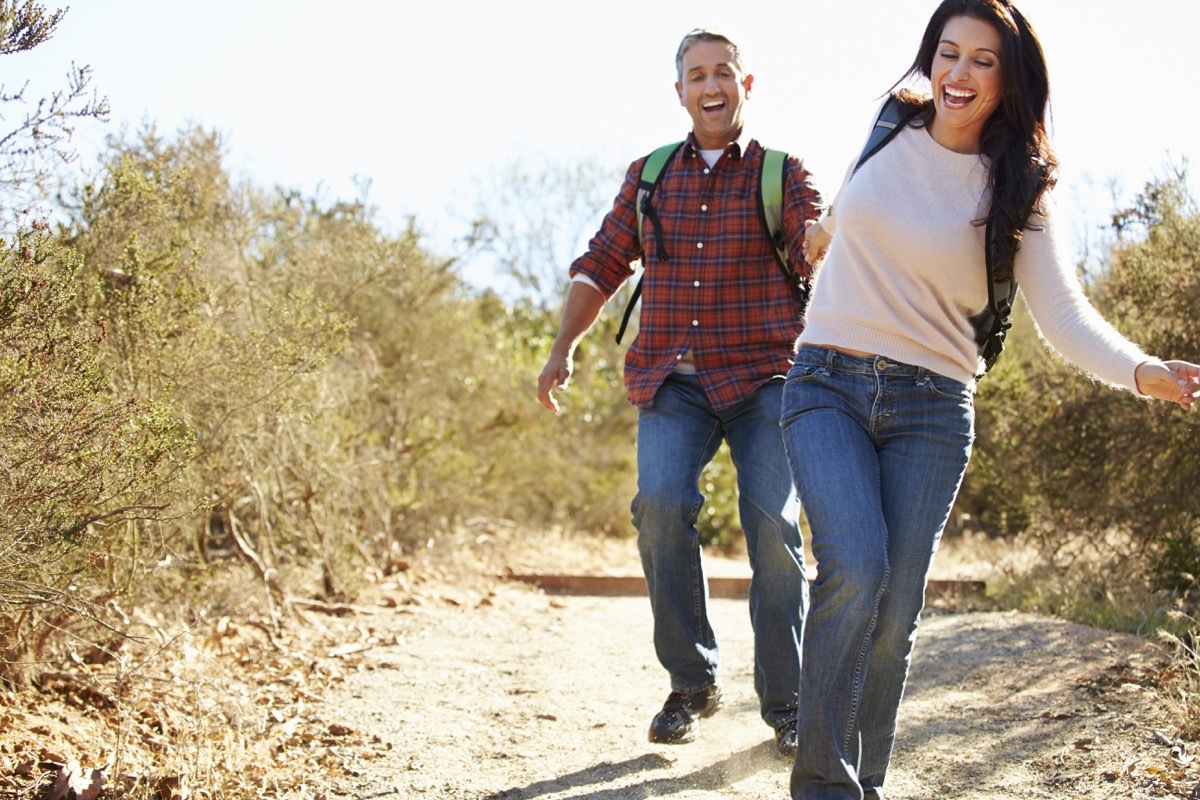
column 803, row 371
column 950, row 389
column 805, row 384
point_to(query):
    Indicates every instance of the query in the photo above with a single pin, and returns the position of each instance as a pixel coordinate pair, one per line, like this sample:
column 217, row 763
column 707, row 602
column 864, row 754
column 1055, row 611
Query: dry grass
column 228, row 706
column 221, row 707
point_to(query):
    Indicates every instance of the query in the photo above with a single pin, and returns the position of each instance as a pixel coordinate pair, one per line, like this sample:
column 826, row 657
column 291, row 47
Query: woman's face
column 967, row 82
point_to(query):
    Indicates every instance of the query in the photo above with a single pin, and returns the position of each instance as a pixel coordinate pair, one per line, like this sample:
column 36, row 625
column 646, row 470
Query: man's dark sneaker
column 676, row 723
column 785, row 739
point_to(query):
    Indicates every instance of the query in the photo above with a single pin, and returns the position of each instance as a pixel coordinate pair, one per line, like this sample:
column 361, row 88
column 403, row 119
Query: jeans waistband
column 869, row 365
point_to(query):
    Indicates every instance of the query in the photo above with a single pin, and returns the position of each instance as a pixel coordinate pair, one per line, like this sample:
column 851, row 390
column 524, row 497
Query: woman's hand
column 1173, row 381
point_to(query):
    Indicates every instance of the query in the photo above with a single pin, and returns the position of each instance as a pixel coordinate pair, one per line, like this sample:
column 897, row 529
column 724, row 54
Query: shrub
column 78, row 461
column 1094, row 476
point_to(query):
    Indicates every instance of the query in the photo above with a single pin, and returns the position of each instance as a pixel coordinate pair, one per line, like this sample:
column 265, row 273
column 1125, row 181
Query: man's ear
column 679, row 91
column 747, row 82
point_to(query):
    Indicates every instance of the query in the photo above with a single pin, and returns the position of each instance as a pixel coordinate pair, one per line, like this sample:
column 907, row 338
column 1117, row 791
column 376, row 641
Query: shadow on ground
column 720, row 775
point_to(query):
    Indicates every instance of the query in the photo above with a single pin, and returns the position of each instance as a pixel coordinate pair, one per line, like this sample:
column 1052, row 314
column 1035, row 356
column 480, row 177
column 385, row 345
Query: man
column 716, row 336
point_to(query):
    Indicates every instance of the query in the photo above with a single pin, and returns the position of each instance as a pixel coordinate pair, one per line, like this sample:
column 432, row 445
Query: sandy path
column 521, row 695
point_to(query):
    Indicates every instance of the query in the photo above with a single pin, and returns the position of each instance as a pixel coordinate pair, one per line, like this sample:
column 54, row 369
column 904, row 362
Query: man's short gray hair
column 706, row 35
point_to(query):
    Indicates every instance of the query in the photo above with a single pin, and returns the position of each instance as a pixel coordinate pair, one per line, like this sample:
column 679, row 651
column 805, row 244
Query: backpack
column 1002, row 294
column 770, row 209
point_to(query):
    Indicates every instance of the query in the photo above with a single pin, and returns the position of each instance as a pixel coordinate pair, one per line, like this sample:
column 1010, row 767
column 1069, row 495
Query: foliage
column 574, row 470
column 533, row 217
column 351, row 400
column 1181, row 683
column 383, row 455
column 174, row 256
column 1089, row 475
column 77, row 460
column 41, row 140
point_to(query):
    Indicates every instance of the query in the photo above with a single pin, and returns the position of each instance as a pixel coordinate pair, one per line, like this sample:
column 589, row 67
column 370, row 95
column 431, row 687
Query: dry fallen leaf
column 72, row 781
column 172, row 788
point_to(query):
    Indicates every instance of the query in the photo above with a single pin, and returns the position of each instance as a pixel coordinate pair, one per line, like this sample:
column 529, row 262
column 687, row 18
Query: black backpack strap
column 633, row 298
column 891, row 120
column 1002, row 294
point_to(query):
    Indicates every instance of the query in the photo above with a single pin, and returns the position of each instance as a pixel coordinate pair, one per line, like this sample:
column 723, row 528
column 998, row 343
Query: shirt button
column 706, row 170
column 678, row 357
column 695, row 283
column 700, row 245
column 704, row 207
column 695, row 322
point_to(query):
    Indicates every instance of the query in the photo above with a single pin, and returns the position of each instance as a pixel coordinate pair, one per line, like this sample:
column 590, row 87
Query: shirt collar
column 735, row 149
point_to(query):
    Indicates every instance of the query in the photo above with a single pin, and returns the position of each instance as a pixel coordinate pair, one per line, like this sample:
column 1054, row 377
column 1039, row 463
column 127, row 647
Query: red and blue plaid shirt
column 721, row 293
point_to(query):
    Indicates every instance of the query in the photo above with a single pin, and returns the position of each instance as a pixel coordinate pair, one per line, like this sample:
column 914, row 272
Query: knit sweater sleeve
column 1065, row 318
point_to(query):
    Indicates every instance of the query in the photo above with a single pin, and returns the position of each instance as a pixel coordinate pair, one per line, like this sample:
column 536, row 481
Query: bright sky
column 420, row 96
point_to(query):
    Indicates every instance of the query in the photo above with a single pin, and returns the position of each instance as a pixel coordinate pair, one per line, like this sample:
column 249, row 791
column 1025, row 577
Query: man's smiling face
column 713, row 90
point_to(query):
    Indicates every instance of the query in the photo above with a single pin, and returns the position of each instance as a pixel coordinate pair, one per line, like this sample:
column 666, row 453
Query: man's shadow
column 730, row 770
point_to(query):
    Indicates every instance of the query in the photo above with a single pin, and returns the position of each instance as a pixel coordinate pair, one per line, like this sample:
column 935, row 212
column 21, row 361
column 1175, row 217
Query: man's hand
column 584, row 302
column 555, row 376
column 816, row 242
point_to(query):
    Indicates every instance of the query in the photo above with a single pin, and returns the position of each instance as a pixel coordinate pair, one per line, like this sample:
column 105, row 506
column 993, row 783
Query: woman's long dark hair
column 1023, row 164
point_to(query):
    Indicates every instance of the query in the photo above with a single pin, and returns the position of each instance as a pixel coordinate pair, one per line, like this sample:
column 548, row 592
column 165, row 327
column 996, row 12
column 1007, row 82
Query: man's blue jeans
column 878, row 450
column 676, row 439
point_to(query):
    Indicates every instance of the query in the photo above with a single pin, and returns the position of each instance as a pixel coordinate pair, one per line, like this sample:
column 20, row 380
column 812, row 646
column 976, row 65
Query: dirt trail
column 508, row 693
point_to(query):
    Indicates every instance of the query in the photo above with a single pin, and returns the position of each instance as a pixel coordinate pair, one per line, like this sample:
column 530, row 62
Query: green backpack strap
column 770, row 195
column 770, row 207
column 652, row 169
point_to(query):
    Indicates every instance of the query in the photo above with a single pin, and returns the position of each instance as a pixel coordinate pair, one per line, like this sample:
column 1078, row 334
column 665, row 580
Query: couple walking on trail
column 859, row 401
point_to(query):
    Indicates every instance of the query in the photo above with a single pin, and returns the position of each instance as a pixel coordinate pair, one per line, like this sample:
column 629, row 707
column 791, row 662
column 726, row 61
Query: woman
column 877, row 410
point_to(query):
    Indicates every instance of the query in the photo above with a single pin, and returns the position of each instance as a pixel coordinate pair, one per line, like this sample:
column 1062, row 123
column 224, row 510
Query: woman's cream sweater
column 905, row 273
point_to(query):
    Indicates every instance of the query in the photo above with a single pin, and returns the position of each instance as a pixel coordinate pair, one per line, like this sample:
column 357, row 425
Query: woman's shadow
column 732, row 769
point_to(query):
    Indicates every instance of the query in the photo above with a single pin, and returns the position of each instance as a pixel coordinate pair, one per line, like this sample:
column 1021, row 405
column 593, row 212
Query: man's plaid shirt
column 721, row 294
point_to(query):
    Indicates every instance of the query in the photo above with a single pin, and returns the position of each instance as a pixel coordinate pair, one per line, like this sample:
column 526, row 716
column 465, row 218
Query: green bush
column 78, row 460
column 1102, row 482
column 171, row 252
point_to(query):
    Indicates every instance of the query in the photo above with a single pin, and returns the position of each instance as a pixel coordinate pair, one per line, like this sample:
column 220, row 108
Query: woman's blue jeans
column 676, row 439
column 878, row 450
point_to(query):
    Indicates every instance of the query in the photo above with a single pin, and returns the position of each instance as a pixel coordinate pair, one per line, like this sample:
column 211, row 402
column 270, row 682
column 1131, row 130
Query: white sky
column 420, row 96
